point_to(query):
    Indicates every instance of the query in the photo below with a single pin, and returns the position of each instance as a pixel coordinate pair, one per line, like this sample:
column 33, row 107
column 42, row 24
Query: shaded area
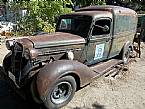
column 9, row 99
column 95, row 106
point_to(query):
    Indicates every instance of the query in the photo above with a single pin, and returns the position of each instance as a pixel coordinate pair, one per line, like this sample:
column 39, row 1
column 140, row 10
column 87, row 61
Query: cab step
column 107, row 67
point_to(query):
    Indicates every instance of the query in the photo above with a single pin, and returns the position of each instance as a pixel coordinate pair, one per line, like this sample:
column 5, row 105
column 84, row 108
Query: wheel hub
column 61, row 92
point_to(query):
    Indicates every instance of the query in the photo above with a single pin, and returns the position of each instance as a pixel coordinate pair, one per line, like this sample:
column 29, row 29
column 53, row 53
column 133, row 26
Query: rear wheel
column 61, row 93
column 126, row 54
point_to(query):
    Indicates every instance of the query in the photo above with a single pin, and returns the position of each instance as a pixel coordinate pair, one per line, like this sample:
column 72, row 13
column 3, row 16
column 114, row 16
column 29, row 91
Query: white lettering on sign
column 99, row 51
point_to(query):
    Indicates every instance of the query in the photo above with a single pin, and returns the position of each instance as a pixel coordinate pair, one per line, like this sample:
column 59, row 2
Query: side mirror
column 106, row 28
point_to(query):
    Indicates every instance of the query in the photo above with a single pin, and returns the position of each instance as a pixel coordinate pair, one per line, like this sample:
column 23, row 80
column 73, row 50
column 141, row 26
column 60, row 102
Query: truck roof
column 103, row 10
column 109, row 8
column 91, row 13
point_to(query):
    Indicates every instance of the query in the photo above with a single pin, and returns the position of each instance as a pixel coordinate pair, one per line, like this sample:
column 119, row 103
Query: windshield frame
column 74, row 17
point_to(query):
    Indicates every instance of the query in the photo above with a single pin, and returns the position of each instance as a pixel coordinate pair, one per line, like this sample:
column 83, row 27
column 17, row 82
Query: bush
column 40, row 15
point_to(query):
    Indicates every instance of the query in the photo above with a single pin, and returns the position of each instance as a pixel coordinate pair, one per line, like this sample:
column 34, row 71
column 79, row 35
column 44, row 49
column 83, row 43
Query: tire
column 61, row 93
column 34, row 92
column 126, row 54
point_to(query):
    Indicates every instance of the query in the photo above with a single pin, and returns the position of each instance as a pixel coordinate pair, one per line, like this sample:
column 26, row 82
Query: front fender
column 7, row 62
column 57, row 69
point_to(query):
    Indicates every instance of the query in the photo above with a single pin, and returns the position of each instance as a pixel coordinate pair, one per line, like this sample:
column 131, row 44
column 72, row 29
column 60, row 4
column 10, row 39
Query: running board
column 105, row 67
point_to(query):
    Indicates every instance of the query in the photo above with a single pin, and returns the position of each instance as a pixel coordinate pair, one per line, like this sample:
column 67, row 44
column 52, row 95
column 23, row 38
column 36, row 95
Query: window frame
column 103, row 18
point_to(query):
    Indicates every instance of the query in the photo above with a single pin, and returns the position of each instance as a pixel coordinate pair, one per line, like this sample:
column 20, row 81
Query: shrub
column 40, row 15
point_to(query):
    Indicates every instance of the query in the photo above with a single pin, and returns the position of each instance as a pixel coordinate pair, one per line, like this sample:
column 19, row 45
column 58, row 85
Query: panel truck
column 56, row 65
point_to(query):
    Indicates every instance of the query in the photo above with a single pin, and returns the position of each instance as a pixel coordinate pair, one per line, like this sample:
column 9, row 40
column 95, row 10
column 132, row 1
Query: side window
column 65, row 24
column 101, row 27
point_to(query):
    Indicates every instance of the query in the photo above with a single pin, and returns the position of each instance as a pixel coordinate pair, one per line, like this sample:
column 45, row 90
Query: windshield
column 78, row 25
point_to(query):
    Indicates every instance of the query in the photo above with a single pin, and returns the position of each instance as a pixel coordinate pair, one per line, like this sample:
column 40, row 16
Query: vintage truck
column 58, row 64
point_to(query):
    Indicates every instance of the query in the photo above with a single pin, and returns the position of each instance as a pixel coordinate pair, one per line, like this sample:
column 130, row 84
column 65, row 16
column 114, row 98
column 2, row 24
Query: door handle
column 108, row 39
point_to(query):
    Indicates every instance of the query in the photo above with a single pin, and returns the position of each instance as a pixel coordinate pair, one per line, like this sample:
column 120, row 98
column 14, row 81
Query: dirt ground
column 124, row 91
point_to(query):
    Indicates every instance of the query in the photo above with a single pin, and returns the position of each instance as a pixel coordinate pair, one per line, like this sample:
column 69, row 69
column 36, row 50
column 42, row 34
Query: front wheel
column 61, row 93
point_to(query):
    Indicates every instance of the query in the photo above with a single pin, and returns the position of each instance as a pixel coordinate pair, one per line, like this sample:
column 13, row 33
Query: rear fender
column 127, row 45
column 57, row 69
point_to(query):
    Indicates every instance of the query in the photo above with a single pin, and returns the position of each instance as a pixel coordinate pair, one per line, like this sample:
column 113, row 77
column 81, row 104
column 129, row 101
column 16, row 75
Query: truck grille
column 17, row 54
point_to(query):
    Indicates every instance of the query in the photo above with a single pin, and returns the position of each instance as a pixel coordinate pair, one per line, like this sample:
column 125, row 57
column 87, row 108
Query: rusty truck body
column 56, row 65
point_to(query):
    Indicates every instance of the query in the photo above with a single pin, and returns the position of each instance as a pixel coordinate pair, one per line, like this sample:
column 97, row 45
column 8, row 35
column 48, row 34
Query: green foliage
column 91, row 2
column 41, row 14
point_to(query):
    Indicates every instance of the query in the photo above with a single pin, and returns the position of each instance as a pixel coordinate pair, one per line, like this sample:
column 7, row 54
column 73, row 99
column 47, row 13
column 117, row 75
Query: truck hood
column 55, row 39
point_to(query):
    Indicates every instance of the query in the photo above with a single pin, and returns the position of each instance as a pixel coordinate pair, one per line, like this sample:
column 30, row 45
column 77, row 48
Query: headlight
column 9, row 44
column 33, row 53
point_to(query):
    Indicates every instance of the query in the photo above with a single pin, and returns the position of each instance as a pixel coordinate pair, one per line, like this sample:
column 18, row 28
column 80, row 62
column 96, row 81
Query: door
column 98, row 47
